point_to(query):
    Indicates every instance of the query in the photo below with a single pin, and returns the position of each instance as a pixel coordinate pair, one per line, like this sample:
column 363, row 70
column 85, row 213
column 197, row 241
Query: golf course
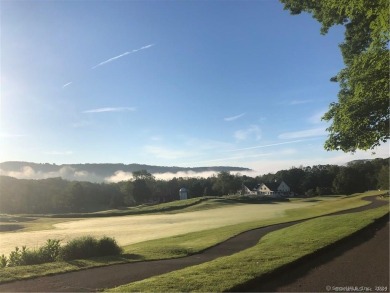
column 296, row 228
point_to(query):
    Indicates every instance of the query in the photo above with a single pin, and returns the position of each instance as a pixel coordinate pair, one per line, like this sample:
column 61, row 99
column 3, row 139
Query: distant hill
column 95, row 172
column 361, row 161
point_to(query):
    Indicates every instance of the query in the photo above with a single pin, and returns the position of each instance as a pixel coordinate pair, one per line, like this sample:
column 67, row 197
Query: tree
column 142, row 186
column 383, row 178
column 360, row 118
column 226, row 183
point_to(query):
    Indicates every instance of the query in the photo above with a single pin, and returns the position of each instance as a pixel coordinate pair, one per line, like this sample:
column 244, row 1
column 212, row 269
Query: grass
column 182, row 245
column 273, row 251
column 10, row 223
column 190, row 243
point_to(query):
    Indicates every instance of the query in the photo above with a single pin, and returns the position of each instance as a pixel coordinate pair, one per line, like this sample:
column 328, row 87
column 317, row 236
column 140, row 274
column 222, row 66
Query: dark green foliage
column 83, row 247
column 87, row 247
column 360, row 118
column 108, row 246
column 79, row 248
column 383, row 178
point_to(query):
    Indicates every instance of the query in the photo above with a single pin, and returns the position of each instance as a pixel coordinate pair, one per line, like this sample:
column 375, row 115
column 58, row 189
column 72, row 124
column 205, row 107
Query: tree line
column 56, row 195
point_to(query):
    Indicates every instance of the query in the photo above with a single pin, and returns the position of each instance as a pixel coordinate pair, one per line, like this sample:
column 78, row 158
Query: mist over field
column 137, row 228
column 110, row 173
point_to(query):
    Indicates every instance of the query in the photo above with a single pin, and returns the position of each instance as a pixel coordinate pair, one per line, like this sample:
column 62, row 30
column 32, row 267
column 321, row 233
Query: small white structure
column 183, row 193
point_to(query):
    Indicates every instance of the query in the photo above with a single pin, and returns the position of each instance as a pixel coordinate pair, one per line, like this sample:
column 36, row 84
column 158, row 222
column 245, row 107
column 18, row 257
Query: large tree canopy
column 360, row 118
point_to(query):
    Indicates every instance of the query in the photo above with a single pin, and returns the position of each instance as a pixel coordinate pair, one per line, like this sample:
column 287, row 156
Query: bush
column 87, row 246
column 3, row 261
column 51, row 251
column 108, row 246
column 83, row 247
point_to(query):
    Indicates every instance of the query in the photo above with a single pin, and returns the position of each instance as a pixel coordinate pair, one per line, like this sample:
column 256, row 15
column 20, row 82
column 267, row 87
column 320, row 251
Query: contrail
column 122, row 55
column 65, row 85
column 110, row 109
column 269, row 145
column 234, row 117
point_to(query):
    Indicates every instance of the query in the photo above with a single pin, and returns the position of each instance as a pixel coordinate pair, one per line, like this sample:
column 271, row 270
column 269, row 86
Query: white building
column 271, row 189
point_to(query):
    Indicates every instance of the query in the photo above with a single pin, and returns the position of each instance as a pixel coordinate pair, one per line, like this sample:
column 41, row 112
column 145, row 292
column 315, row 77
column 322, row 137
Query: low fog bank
column 72, row 174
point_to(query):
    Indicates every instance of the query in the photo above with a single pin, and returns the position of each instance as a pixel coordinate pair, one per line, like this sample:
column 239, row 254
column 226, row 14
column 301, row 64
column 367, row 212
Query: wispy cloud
column 234, row 117
column 316, row 117
column 59, row 153
column 253, row 131
column 122, row 55
column 299, row 102
column 268, row 145
column 67, row 84
column 111, row 109
column 303, row 133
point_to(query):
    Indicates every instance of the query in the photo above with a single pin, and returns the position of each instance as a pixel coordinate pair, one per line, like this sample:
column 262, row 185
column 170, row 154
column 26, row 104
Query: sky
column 169, row 83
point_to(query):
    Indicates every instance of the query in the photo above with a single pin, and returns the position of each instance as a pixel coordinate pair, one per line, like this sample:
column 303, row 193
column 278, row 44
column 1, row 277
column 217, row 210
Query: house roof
column 273, row 185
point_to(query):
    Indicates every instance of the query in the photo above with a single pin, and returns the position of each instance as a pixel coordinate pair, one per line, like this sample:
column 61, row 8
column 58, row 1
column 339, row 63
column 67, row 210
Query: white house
column 271, row 189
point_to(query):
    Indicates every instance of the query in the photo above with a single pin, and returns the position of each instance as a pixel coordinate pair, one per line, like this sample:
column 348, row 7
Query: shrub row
column 79, row 248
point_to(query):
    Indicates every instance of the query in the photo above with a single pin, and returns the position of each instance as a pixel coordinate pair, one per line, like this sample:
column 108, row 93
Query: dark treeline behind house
column 56, row 195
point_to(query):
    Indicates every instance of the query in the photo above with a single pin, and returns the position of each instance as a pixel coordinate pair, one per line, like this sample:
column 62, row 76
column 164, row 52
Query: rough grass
column 273, row 251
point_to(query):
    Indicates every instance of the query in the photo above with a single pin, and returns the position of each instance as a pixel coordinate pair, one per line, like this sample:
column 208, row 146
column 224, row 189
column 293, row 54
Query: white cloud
column 234, row 117
column 303, row 133
column 119, row 176
column 122, row 55
column 111, row 109
column 253, row 131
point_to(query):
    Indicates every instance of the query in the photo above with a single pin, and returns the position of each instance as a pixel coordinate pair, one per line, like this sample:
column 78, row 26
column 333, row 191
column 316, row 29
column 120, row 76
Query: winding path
column 97, row 279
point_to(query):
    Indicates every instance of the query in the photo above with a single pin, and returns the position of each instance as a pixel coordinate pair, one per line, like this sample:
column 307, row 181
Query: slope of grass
column 181, row 245
column 273, row 251
column 190, row 243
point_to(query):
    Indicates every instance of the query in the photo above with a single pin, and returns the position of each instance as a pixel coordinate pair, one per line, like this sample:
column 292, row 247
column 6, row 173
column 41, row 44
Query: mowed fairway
column 132, row 229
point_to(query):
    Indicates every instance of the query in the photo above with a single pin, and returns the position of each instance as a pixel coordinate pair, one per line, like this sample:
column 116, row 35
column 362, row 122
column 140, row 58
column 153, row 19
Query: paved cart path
column 110, row 276
column 359, row 264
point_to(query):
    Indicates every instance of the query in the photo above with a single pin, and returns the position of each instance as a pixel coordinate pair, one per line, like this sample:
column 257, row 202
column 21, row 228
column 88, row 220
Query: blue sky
column 173, row 83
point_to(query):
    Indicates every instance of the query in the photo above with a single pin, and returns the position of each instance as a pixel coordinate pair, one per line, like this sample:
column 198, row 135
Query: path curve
column 361, row 262
column 100, row 278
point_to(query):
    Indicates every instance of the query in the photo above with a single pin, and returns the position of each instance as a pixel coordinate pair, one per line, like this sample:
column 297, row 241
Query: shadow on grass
column 10, row 227
column 15, row 219
column 109, row 260
column 295, row 270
